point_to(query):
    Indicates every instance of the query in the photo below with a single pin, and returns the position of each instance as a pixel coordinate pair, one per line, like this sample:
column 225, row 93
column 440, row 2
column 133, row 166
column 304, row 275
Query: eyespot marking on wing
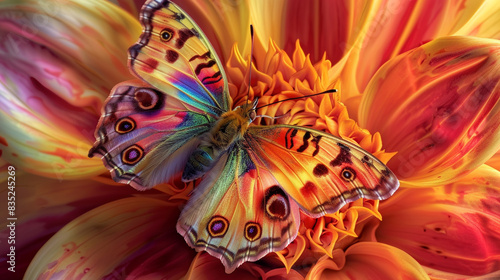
column 217, row 227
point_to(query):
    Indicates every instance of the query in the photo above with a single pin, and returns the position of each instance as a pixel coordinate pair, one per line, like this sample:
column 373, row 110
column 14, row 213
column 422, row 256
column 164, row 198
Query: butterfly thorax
column 227, row 130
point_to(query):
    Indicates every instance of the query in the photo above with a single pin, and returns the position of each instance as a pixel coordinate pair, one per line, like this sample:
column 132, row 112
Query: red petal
column 438, row 107
column 453, row 228
column 133, row 236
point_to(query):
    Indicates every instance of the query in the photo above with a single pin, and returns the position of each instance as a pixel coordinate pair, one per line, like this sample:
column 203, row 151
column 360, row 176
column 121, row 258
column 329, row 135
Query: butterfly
column 253, row 179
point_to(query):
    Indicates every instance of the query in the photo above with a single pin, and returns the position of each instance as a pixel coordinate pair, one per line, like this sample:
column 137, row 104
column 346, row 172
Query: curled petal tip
column 438, row 107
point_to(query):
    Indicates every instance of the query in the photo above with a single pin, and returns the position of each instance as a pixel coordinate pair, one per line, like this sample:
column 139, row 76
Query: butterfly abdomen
column 200, row 161
column 229, row 129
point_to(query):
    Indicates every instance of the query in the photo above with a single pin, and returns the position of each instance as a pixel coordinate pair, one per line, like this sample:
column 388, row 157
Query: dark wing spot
column 203, row 56
column 305, row 142
column 316, row 140
column 149, row 99
column 171, row 56
column 343, row 157
column 320, row 170
column 276, row 204
column 290, row 134
column 308, row 188
column 150, row 65
column 184, row 35
column 215, row 78
column 201, row 66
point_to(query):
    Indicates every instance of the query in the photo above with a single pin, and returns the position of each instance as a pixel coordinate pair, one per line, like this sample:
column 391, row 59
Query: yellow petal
column 369, row 260
column 484, row 21
column 59, row 63
column 132, row 237
column 452, row 229
column 223, row 22
column 438, row 107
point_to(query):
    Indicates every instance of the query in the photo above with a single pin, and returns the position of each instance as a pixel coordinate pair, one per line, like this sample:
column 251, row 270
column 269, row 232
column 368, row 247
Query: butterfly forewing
column 174, row 53
column 319, row 171
column 142, row 132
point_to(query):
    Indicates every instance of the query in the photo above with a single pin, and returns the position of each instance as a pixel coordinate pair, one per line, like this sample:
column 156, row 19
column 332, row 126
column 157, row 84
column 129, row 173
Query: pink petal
column 438, row 107
column 451, row 229
column 43, row 206
column 133, row 237
column 59, row 63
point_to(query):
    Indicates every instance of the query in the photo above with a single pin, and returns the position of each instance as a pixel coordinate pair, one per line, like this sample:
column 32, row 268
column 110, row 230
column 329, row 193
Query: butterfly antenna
column 250, row 65
column 299, row 97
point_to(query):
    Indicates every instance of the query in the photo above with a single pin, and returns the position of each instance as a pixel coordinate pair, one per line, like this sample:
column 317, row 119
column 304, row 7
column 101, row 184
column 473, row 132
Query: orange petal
column 59, row 63
column 438, row 107
column 399, row 26
column 46, row 205
column 494, row 161
column 131, row 6
column 453, row 228
column 368, row 260
column 132, row 237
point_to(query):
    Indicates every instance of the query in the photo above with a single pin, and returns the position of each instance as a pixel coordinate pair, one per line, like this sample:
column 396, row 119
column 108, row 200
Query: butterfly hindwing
column 173, row 52
column 239, row 212
column 319, row 171
column 142, row 131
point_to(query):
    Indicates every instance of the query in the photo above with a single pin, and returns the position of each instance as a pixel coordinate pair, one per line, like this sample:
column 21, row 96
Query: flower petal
column 368, row 260
column 484, row 21
column 438, row 106
column 453, row 228
column 207, row 267
column 46, row 205
column 312, row 24
column 494, row 161
column 131, row 6
column 399, row 26
column 60, row 62
column 132, row 236
column 224, row 22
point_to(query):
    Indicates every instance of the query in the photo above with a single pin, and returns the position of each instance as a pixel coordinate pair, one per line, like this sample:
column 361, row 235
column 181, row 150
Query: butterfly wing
column 144, row 136
column 173, row 53
column 148, row 131
column 239, row 212
column 319, row 171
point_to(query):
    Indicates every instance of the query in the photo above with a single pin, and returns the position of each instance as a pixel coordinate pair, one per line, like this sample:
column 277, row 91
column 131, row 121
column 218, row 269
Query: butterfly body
column 253, row 179
column 228, row 130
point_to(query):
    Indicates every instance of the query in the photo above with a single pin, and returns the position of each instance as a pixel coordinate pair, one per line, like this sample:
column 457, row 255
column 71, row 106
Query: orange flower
column 430, row 101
